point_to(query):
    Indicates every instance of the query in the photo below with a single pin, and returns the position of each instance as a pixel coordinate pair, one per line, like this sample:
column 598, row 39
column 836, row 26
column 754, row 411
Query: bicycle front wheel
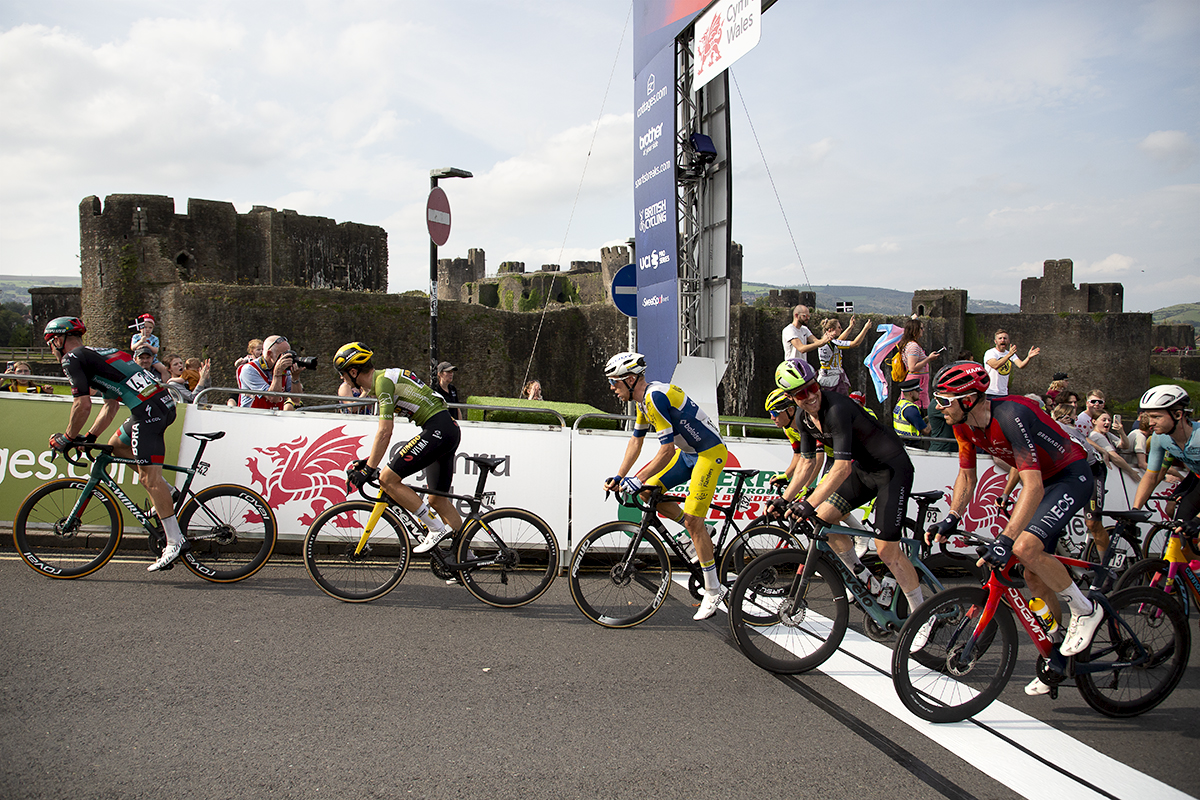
column 1144, row 660
column 782, row 632
column 755, row 541
column 59, row 545
column 613, row 590
column 934, row 675
column 231, row 530
column 340, row 567
column 509, row 557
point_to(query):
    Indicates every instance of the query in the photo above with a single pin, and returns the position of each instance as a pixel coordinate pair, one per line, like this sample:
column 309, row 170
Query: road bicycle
column 621, row 572
column 1175, row 575
column 957, row 651
column 359, row 550
column 788, row 609
column 70, row 527
column 1130, row 543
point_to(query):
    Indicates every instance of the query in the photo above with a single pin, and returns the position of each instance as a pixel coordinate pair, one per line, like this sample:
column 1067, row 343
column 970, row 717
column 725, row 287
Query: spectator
column 445, row 385
column 254, row 349
column 907, row 419
column 797, row 338
column 833, row 375
column 941, row 434
column 999, row 362
column 1070, row 400
column 915, row 359
column 1086, row 420
column 22, row 383
column 273, row 371
column 144, row 358
column 1106, row 442
column 348, row 389
column 1140, row 438
column 178, row 382
column 1058, row 385
column 145, row 339
column 532, row 391
column 191, row 372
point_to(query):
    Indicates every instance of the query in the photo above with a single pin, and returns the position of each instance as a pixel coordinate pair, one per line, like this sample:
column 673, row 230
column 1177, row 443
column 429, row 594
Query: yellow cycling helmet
column 779, row 400
column 350, row 355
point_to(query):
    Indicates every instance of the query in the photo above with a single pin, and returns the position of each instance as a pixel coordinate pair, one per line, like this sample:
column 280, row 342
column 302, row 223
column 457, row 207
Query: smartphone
column 1116, row 419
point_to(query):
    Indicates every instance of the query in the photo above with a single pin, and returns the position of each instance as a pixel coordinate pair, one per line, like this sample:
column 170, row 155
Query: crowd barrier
column 297, row 460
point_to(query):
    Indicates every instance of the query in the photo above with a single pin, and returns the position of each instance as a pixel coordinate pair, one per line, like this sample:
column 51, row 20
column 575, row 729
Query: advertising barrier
column 297, row 461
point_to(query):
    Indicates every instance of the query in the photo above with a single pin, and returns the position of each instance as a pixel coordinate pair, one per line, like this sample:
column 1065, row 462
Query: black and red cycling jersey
column 1021, row 435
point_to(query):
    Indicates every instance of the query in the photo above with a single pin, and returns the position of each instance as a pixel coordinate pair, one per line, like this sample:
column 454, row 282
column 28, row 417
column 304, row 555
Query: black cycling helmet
column 64, row 326
column 354, row 354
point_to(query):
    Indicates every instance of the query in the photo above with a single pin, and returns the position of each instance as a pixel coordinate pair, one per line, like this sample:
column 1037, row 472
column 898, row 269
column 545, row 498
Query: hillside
column 872, row 300
column 1182, row 314
column 15, row 288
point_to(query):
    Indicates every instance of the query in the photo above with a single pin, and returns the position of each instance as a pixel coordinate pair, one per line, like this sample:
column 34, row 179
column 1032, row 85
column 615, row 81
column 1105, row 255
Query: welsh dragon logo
column 298, row 471
column 709, row 48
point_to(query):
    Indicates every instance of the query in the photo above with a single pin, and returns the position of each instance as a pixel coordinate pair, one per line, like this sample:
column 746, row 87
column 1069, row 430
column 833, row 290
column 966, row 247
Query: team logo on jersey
column 302, row 472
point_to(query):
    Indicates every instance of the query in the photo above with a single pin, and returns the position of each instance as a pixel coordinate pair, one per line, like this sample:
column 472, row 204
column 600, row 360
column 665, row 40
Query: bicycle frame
column 1178, row 569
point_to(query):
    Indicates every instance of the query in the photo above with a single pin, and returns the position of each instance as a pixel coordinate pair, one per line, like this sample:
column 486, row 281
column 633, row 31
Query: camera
column 304, row 362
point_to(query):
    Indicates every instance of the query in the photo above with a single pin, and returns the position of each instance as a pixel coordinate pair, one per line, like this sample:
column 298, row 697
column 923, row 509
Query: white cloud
column 1113, row 266
column 873, row 249
column 1173, row 149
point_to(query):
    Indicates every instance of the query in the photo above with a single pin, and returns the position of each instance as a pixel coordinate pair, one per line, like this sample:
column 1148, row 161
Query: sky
column 908, row 145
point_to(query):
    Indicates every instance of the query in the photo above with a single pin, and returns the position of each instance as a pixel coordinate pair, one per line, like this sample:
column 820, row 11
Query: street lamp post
column 434, row 174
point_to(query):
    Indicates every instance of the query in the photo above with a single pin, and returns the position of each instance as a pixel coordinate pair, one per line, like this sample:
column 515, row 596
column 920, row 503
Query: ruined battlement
column 1055, row 292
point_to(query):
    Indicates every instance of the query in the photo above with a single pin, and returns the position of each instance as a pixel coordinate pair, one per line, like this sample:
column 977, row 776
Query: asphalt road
column 128, row 685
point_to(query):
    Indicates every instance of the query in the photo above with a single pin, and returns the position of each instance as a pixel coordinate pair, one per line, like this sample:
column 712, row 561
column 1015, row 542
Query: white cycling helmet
column 1163, row 398
column 623, row 364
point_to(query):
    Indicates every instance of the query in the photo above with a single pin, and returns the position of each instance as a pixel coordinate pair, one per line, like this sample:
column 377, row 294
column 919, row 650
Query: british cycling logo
column 303, row 472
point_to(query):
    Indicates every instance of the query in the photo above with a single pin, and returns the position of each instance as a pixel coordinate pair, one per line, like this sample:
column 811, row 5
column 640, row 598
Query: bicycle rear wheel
column 748, row 545
column 931, row 675
column 614, row 591
column 231, row 530
column 525, row 553
column 343, row 570
column 59, row 547
column 782, row 633
column 1157, row 642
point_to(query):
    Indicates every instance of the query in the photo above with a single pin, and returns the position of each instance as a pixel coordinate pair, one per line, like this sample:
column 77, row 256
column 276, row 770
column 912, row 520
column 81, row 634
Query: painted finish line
column 1000, row 736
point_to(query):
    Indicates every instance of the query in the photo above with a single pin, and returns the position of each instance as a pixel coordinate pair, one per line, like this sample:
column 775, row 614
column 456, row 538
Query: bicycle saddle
column 208, row 437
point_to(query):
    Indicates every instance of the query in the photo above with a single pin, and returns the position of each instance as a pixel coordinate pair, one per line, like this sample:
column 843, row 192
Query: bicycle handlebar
column 84, row 448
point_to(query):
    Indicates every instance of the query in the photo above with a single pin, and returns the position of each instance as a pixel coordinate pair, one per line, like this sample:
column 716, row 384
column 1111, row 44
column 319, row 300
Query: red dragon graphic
column 313, row 473
column 709, row 49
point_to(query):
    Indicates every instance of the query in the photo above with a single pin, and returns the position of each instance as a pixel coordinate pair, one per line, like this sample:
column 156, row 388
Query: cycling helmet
column 623, row 364
column 961, row 377
column 350, row 355
column 794, row 374
column 778, row 400
column 1163, row 398
column 64, row 326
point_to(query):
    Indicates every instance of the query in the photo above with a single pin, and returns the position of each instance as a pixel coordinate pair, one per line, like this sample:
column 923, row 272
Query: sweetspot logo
column 654, row 301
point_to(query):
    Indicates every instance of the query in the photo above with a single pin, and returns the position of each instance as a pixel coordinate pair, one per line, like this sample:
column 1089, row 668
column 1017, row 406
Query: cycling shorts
column 888, row 488
column 1069, row 492
column 145, row 430
column 703, row 483
column 1095, row 505
column 676, row 472
column 431, row 450
column 1187, row 498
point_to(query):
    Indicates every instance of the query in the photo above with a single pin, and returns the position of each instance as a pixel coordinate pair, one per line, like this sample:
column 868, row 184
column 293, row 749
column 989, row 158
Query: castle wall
column 50, row 302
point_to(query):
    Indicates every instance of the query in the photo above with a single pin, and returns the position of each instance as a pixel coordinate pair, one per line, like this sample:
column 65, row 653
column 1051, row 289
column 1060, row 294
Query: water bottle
column 689, row 549
column 868, row 580
column 1038, row 606
column 887, row 591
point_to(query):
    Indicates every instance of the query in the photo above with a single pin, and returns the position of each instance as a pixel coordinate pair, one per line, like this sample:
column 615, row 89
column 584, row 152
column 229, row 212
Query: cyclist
column 402, row 392
column 869, row 463
column 1056, row 482
column 1175, row 436
column 151, row 411
column 684, row 432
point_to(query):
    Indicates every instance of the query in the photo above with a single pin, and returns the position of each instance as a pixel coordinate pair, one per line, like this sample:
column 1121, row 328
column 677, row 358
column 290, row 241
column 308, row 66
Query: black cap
column 910, row 385
column 446, row 366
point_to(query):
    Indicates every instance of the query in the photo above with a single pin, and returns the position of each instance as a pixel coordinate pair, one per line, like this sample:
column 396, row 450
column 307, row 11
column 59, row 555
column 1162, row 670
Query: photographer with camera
column 275, row 371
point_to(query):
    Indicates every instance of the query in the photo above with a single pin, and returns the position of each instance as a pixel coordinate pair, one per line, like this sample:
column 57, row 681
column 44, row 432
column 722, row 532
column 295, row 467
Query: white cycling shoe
column 170, row 555
column 1082, row 629
column 709, row 603
column 1037, row 687
column 431, row 539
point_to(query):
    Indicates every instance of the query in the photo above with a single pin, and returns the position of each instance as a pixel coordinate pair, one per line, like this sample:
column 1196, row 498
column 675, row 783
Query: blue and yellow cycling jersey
column 676, row 419
column 1161, row 446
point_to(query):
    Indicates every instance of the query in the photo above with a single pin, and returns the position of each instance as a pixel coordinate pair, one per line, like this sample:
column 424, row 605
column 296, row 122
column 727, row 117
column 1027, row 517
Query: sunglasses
column 776, row 414
column 1095, row 402
column 805, row 392
column 945, row 402
column 614, row 381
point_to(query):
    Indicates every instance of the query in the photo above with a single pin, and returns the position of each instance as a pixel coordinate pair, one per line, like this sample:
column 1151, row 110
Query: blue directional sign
column 624, row 290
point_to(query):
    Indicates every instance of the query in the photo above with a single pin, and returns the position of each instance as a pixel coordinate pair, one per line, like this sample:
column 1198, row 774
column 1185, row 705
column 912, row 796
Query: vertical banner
column 656, row 221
